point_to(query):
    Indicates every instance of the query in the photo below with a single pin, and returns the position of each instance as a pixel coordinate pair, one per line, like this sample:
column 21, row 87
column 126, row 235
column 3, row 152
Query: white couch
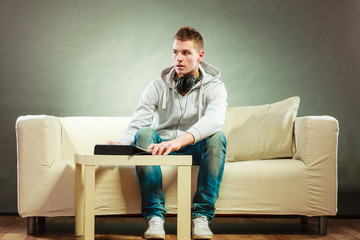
column 276, row 164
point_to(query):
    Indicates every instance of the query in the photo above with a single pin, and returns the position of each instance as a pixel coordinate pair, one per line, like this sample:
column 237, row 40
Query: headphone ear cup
column 184, row 84
column 191, row 82
column 180, row 84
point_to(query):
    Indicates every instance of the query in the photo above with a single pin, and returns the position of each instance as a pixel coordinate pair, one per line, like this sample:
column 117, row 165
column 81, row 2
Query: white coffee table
column 85, row 188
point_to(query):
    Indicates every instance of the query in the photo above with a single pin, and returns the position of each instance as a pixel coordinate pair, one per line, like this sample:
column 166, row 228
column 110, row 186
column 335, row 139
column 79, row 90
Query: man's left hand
column 163, row 148
column 167, row 147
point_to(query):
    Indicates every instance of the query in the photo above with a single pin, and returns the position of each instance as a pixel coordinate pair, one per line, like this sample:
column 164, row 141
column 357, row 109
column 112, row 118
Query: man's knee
column 218, row 139
column 146, row 136
column 216, row 146
column 145, row 132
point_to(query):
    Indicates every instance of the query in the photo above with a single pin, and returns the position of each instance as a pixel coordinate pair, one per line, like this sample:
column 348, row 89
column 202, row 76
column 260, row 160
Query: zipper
column 182, row 104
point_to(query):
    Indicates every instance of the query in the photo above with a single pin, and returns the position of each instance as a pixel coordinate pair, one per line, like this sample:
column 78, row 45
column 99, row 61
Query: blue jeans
column 209, row 153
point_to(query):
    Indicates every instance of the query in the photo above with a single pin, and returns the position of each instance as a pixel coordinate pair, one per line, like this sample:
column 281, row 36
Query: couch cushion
column 261, row 132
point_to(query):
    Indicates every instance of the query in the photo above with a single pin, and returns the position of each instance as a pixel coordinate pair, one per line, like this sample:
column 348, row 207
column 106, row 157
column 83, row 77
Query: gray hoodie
column 200, row 112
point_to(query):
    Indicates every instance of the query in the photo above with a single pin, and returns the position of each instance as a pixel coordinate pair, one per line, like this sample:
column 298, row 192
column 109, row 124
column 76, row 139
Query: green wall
column 82, row 58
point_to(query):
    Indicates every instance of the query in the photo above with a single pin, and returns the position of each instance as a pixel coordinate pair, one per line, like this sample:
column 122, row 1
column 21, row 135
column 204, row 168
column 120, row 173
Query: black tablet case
column 103, row 149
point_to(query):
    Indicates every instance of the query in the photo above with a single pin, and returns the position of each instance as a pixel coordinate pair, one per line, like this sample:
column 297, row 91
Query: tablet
column 104, row 149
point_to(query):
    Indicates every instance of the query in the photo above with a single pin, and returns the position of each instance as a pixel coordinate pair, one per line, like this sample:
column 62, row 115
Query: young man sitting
column 181, row 113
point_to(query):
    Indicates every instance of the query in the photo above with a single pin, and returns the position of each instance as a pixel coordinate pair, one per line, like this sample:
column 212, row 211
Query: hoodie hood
column 209, row 73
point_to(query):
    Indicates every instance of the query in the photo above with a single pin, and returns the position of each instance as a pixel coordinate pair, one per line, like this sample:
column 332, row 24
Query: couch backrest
column 252, row 132
column 80, row 134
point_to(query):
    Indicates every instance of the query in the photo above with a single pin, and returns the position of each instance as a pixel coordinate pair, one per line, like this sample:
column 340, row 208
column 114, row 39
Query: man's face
column 186, row 58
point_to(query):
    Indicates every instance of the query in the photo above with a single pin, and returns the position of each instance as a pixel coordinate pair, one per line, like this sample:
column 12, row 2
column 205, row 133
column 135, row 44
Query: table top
column 135, row 160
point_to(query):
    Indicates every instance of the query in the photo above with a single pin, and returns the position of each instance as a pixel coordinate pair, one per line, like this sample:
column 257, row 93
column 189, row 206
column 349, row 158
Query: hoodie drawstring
column 165, row 93
column 200, row 102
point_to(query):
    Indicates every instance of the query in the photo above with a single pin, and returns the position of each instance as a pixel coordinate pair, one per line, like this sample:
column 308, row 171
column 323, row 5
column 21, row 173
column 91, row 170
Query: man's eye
column 186, row 53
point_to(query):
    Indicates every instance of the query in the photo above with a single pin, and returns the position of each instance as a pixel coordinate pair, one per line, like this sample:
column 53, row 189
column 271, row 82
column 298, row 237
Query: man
column 181, row 113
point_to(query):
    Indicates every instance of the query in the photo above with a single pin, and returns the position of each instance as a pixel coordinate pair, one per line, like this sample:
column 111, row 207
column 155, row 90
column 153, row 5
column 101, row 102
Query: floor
column 225, row 228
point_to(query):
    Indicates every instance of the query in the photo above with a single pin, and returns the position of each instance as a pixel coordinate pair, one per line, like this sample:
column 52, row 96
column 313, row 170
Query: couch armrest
column 38, row 146
column 316, row 140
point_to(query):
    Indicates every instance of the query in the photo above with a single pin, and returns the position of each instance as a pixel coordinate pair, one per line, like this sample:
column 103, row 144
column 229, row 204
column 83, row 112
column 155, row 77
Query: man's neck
column 196, row 74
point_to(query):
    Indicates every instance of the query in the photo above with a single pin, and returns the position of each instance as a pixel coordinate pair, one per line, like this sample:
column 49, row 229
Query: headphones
column 185, row 84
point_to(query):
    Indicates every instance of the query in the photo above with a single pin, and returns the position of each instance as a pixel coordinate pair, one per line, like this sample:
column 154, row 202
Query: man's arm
column 167, row 147
column 215, row 112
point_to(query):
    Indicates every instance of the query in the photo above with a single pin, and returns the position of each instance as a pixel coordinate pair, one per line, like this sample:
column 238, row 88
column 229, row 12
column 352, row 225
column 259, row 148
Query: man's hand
column 163, row 148
column 112, row 143
column 167, row 147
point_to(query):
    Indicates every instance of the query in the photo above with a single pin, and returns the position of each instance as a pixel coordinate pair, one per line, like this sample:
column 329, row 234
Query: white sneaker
column 155, row 229
column 200, row 228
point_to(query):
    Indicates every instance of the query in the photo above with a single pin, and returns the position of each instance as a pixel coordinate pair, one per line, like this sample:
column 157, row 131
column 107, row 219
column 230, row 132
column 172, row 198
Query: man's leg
column 210, row 175
column 150, row 178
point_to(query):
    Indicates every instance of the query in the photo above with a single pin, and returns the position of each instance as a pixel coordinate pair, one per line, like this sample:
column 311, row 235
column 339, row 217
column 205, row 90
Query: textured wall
column 77, row 58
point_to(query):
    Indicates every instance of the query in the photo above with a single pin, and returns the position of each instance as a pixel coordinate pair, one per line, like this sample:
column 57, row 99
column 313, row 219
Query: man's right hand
column 112, row 143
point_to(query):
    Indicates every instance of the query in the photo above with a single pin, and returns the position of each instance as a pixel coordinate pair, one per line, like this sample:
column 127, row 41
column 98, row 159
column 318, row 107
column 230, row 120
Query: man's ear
column 201, row 55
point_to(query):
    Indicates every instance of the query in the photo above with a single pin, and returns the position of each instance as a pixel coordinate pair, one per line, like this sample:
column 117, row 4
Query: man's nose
column 179, row 57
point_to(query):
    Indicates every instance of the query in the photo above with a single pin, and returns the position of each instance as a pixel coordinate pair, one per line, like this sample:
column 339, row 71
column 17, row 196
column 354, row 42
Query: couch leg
column 322, row 225
column 40, row 224
column 41, row 220
column 304, row 219
column 31, row 225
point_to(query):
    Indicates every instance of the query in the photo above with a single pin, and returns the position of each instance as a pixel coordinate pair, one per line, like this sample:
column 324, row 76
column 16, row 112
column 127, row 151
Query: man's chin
column 181, row 71
column 182, row 74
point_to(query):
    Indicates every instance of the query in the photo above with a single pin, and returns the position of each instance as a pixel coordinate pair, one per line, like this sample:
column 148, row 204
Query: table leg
column 184, row 203
column 79, row 200
column 89, row 202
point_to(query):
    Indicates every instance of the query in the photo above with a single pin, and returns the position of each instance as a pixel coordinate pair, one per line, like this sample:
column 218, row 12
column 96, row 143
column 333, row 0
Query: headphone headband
column 186, row 83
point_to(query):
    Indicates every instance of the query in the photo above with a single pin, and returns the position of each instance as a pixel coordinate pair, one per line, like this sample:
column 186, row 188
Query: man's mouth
column 180, row 66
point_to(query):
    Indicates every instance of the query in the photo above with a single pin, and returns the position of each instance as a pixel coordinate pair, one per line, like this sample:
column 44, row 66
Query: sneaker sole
column 202, row 237
column 155, row 237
